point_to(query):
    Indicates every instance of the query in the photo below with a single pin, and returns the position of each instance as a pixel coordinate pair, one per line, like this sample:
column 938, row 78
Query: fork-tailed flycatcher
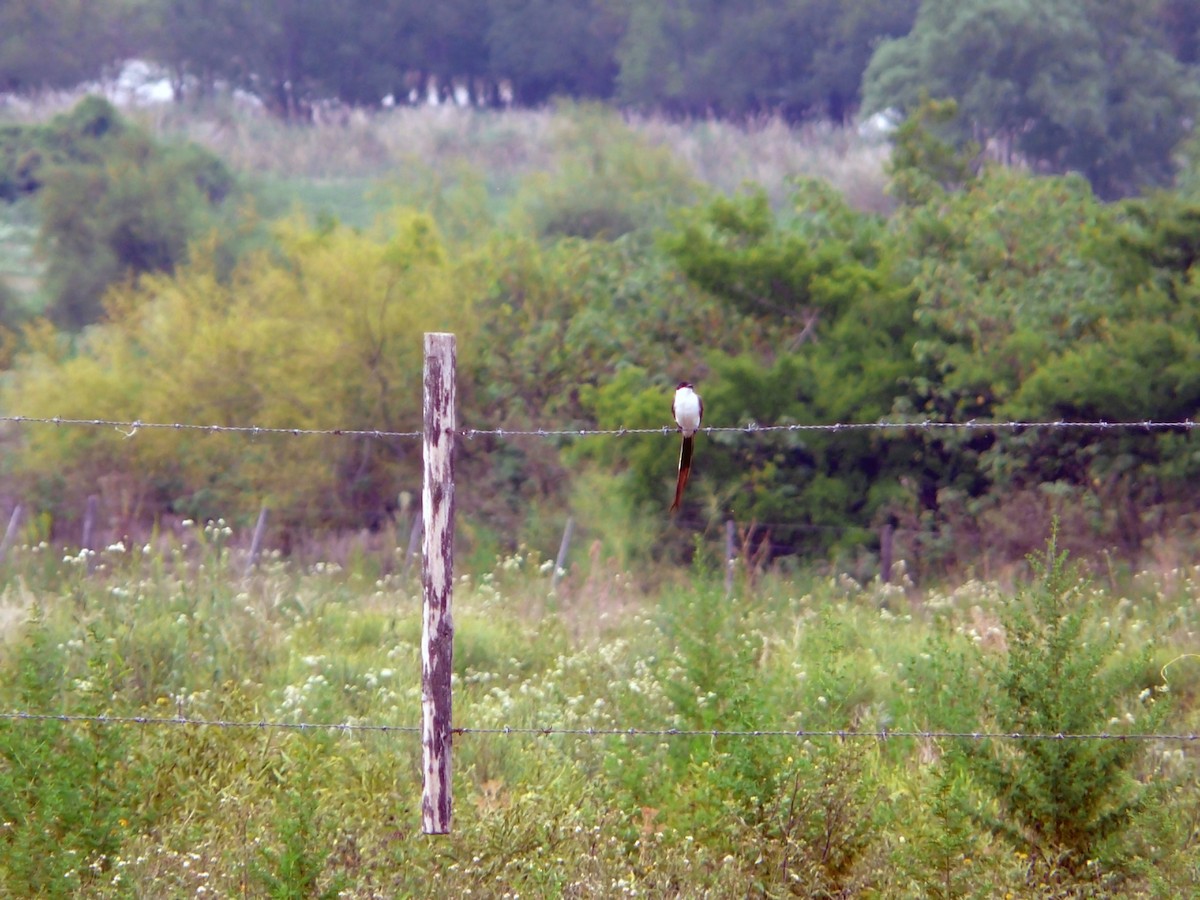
column 688, row 410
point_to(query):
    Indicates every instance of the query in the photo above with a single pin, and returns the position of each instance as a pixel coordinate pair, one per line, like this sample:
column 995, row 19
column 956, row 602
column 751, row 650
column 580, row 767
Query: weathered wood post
column 560, row 564
column 10, row 533
column 437, row 637
column 89, row 532
column 260, row 528
column 730, row 555
column 887, row 536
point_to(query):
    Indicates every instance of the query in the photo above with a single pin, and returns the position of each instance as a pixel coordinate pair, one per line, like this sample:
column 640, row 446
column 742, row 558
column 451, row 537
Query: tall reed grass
column 508, row 145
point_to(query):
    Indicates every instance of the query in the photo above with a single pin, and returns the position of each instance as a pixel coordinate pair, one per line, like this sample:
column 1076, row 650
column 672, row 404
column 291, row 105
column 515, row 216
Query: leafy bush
column 114, row 203
column 325, row 333
column 809, row 811
column 803, row 284
column 610, row 181
column 68, row 795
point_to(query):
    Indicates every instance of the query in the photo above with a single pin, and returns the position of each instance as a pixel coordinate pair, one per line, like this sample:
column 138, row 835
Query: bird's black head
column 683, row 384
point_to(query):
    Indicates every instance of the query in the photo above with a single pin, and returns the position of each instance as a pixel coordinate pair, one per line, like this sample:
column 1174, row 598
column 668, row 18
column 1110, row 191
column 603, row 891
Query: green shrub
column 610, row 181
column 68, row 792
column 293, row 866
column 1063, row 801
column 324, row 333
column 131, row 214
column 114, row 202
column 807, row 812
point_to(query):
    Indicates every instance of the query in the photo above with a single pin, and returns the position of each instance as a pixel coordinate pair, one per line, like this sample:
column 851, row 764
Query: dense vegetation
column 113, row 203
column 580, row 295
column 1103, row 87
column 588, row 259
column 122, row 809
column 1089, row 86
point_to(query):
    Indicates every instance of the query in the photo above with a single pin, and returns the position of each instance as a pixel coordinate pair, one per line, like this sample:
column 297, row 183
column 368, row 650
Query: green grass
column 358, row 202
column 125, row 810
column 20, row 270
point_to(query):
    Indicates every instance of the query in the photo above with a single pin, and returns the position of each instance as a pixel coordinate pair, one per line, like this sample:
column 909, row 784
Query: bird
column 688, row 409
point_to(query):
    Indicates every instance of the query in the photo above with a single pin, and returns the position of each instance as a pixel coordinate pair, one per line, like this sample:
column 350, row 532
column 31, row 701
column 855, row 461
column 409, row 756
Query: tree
column 549, row 47
column 923, row 163
column 322, row 331
column 1180, row 24
column 796, row 59
column 1070, row 86
column 852, row 29
column 57, row 43
column 1035, row 301
column 659, row 52
column 292, row 54
column 1002, row 278
column 801, row 286
column 202, row 42
column 1060, row 801
column 1140, row 361
column 113, row 202
column 440, row 43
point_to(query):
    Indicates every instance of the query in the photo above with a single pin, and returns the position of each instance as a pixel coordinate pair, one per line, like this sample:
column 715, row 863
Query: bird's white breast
column 687, row 410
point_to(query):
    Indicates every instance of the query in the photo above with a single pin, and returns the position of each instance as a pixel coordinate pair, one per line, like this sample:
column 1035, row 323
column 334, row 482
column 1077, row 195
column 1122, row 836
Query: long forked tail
column 685, row 469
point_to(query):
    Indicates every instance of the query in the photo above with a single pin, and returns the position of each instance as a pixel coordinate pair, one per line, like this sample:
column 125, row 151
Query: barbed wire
column 187, row 721
column 131, row 427
column 885, row 425
column 609, row 731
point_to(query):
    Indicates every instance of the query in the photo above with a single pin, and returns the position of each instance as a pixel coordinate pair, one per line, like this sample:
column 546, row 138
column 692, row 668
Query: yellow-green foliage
column 609, row 180
column 323, row 332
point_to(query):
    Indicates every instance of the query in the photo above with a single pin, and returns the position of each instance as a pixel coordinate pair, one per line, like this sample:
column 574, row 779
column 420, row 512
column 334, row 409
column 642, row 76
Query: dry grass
column 506, row 145
column 769, row 152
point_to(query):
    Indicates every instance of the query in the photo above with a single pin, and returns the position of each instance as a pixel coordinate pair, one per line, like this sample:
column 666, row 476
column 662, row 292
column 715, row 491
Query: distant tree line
column 800, row 58
column 1104, row 87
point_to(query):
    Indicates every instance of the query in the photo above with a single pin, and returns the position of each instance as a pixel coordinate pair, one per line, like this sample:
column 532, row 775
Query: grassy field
column 509, row 146
column 250, row 809
column 20, row 269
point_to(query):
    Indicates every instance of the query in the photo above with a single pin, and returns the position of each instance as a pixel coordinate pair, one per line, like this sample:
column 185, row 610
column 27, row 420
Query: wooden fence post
column 10, row 533
column 437, row 633
column 886, row 537
column 89, row 531
column 730, row 555
column 260, row 528
column 563, row 546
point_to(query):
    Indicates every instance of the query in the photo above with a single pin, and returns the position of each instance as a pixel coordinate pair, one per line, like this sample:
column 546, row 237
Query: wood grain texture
column 437, row 638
